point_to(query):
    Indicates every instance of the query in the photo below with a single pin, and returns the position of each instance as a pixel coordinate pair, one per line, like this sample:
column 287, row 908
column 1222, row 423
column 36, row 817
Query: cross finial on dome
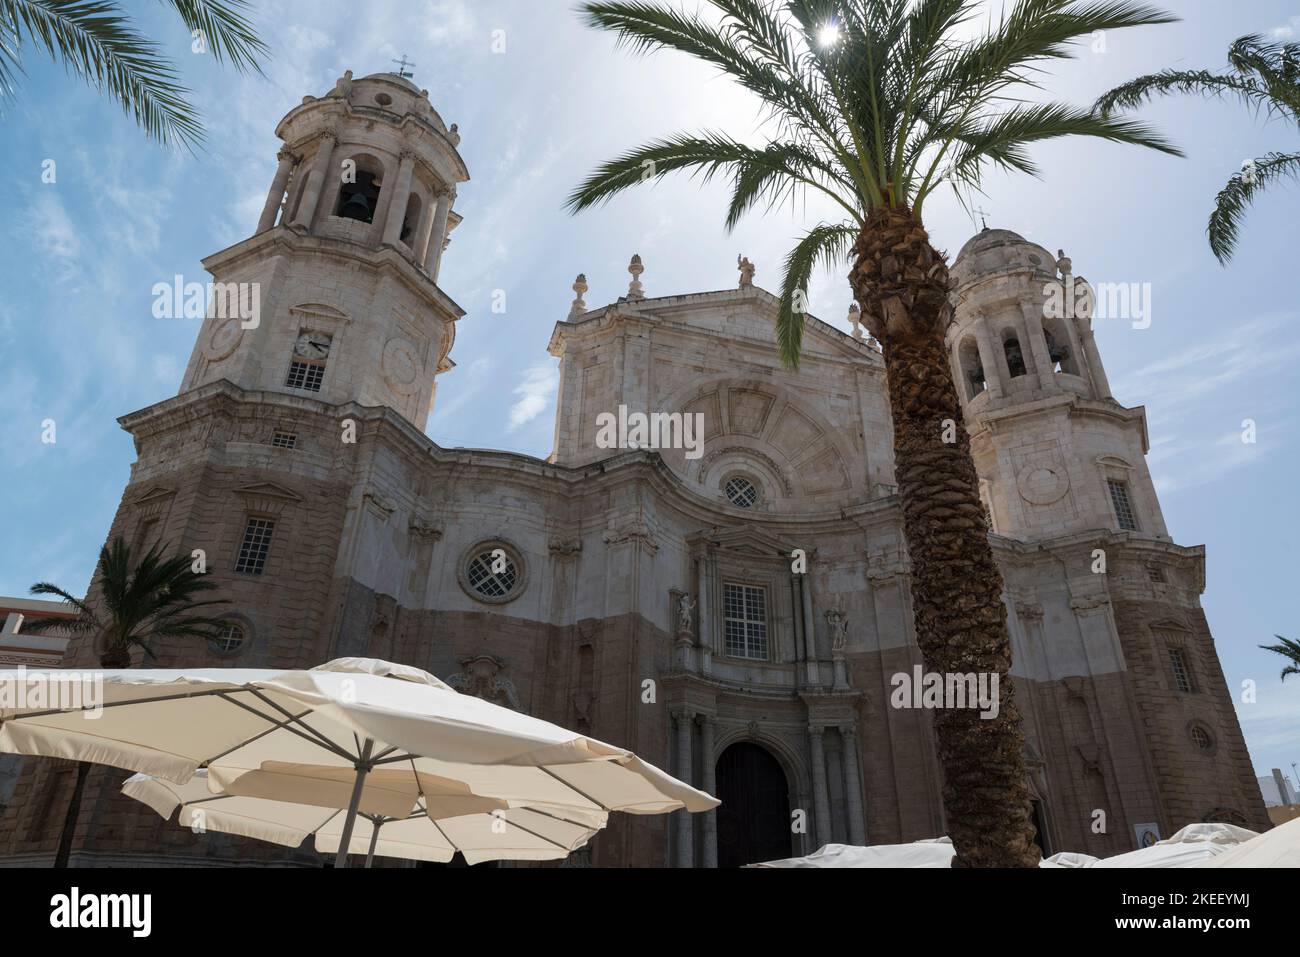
column 634, row 289
column 402, row 64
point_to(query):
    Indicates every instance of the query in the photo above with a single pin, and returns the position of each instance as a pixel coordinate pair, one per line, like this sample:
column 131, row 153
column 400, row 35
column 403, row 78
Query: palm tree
column 1261, row 75
column 875, row 104
column 144, row 602
column 1289, row 649
column 96, row 41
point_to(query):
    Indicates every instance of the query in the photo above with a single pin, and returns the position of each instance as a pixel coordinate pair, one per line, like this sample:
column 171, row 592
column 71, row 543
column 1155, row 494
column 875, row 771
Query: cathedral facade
column 736, row 613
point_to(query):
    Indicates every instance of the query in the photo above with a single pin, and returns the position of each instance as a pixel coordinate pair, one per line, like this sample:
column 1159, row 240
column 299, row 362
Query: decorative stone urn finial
column 855, row 317
column 747, row 271
column 634, row 289
column 580, row 289
column 453, row 134
column 1063, row 263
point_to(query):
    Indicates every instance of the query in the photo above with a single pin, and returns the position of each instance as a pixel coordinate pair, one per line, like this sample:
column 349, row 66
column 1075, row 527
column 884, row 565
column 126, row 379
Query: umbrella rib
column 118, row 704
column 575, row 790
column 541, row 837
column 318, row 736
column 287, row 725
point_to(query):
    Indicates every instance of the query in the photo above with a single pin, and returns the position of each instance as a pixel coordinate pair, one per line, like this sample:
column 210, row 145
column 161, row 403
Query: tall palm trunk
column 901, row 284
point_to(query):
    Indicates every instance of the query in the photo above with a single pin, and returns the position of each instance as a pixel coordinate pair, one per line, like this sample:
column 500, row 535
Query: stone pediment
column 748, row 540
column 156, row 493
column 268, row 498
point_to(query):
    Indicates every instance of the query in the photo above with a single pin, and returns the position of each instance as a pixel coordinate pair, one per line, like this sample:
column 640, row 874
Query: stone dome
column 993, row 251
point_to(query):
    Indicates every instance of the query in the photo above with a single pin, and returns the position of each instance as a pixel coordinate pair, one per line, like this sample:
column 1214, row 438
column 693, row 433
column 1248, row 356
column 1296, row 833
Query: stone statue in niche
column 839, row 629
column 685, row 615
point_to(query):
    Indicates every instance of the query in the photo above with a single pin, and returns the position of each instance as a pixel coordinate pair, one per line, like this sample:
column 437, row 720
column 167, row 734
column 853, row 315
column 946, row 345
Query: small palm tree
column 1289, row 649
column 144, row 602
column 876, row 104
column 1261, row 75
column 96, row 41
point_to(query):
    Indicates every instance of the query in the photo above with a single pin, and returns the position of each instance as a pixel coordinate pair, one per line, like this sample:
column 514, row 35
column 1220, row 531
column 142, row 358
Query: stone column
column 821, row 802
column 704, row 613
column 853, row 786
column 989, row 360
column 438, row 238
column 316, row 179
column 685, row 826
column 1092, row 355
column 401, row 196
column 276, row 194
column 1036, row 343
column 709, row 784
column 809, row 635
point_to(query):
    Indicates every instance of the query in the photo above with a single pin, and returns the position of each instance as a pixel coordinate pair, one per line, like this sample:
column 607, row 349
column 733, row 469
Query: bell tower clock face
column 312, row 345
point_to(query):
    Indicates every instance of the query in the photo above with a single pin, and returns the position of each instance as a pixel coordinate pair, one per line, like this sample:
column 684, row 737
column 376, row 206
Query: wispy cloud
column 535, row 395
column 47, row 224
column 1287, row 31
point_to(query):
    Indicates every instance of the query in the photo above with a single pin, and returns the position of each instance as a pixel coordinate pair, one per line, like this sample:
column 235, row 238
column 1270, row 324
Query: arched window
column 1059, row 353
column 972, row 368
column 359, row 193
column 1015, row 357
column 411, row 221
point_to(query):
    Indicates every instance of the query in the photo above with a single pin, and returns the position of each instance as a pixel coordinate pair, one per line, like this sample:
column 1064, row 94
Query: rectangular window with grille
column 1119, row 497
column 1182, row 669
column 284, row 440
column 305, row 375
column 253, row 550
column 744, row 615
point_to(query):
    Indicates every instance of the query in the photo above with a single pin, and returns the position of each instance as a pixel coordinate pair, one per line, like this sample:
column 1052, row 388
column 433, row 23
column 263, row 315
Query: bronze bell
column 357, row 207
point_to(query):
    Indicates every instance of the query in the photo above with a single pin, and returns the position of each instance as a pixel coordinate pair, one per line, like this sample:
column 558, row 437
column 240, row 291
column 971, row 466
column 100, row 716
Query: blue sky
column 540, row 99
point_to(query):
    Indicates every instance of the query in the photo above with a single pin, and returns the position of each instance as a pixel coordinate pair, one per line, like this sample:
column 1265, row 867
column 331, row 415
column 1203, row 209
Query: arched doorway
column 754, row 819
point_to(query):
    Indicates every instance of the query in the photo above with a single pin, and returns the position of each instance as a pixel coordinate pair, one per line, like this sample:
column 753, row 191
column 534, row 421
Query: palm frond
column 95, row 42
column 826, row 245
column 1235, row 198
column 229, row 35
column 1136, row 92
column 1288, row 649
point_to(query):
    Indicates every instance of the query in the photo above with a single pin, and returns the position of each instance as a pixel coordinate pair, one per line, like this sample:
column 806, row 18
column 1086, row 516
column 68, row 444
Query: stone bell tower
column 344, row 265
column 1056, row 453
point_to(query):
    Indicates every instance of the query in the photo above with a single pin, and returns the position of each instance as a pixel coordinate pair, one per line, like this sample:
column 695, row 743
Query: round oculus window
column 228, row 640
column 492, row 574
column 741, row 492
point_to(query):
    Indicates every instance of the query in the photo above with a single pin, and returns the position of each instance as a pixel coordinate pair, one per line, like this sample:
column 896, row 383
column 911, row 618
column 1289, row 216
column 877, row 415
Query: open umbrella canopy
column 356, row 733
column 1278, row 847
column 481, row 829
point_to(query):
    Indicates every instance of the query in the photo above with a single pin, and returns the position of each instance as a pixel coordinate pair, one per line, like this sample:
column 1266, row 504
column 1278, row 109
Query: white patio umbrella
column 481, row 829
column 1193, row 846
column 358, row 734
column 1277, row 847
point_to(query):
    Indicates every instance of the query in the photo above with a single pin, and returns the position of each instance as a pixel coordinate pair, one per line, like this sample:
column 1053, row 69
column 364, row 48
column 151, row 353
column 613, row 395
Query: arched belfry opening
column 1015, row 355
column 359, row 192
column 411, row 220
column 972, row 368
column 754, row 817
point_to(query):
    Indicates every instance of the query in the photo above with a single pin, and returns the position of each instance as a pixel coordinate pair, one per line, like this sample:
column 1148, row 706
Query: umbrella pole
column 374, row 840
column 363, row 767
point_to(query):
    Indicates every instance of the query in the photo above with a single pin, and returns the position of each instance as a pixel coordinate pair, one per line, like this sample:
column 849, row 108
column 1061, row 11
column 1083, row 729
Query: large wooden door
column 754, row 818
